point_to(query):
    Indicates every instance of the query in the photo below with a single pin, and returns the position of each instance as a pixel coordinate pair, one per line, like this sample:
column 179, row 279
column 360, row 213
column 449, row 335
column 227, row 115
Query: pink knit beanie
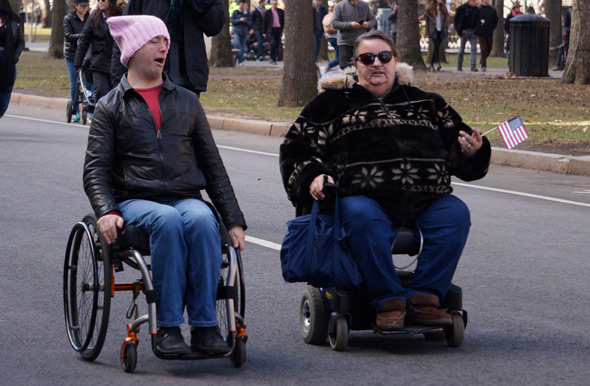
column 132, row 32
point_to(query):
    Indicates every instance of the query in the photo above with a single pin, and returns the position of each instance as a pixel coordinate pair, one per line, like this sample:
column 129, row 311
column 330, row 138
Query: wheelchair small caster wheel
column 129, row 356
column 454, row 334
column 238, row 356
column 338, row 334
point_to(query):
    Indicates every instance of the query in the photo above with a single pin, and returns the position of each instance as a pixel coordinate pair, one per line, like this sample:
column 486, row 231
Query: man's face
column 485, row 2
column 275, row 4
column 317, row 3
column 149, row 60
column 243, row 6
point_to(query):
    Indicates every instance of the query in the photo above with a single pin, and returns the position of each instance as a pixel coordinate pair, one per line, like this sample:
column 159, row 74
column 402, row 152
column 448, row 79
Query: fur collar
column 343, row 79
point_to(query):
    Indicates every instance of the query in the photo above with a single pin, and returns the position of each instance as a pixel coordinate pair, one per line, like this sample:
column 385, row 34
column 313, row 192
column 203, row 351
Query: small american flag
column 513, row 132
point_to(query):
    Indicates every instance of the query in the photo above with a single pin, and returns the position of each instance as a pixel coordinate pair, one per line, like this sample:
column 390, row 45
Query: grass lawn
column 552, row 112
column 37, row 34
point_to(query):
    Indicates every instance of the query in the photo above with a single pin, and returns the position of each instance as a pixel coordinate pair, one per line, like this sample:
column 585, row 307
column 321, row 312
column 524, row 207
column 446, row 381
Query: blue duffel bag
column 315, row 251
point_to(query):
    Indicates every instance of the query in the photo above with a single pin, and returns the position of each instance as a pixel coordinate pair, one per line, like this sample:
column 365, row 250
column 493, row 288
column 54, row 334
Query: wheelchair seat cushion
column 137, row 239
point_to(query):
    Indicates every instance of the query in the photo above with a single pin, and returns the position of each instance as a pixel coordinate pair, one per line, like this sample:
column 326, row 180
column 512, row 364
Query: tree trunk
column 56, row 42
column 577, row 69
column 408, row 34
column 221, row 54
column 553, row 13
column 300, row 72
column 47, row 15
column 498, row 43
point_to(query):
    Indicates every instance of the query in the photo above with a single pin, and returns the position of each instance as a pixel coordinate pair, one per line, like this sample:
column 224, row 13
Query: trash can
column 529, row 45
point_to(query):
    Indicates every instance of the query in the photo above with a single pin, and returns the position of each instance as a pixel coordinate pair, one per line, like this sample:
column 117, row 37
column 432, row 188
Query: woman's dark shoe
column 438, row 67
column 169, row 341
column 208, row 340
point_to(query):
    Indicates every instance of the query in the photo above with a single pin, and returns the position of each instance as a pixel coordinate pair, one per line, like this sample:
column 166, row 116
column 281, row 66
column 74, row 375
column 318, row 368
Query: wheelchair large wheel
column 237, row 292
column 313, row 319
column 87, row 289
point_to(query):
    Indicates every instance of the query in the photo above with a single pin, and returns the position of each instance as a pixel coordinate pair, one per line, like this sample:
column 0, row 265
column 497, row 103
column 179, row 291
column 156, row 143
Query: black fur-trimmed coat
column 400, row 150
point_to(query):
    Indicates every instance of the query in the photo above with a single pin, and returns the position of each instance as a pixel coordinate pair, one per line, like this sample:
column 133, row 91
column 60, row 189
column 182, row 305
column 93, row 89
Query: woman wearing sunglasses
column 391, row 149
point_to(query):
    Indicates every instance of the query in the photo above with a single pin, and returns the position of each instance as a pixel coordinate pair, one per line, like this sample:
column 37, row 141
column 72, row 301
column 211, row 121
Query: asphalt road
column 524, row 273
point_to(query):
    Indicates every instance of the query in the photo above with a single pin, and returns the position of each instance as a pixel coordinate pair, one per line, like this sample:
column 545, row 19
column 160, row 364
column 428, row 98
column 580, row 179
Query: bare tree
column 47, row 13
column 553, row 13
column 56, row 42
column 577, row 69
column 498, row 43
column 408, row 34
column 221, row 54
column 300, row 72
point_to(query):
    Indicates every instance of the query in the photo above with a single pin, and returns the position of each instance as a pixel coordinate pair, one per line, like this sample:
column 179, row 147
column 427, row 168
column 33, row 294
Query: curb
column 516, row 158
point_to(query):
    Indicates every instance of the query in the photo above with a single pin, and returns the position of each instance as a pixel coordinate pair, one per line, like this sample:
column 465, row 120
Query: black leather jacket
column 98, row 38
column 73, row 27
column 127, row 157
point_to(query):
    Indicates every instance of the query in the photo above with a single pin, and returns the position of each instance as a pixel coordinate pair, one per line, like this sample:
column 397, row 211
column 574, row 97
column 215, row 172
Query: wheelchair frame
column 330, row 313
column 89, row 284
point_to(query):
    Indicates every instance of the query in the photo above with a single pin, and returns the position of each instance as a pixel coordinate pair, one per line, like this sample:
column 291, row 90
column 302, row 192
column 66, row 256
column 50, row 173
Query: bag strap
column 335, row 233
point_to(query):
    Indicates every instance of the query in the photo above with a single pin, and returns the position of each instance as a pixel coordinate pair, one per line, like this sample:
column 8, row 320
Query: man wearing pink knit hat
column 150, row 153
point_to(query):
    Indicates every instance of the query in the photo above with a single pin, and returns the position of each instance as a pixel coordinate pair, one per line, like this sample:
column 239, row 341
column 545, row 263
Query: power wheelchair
column 89, row 284
column 331, row 313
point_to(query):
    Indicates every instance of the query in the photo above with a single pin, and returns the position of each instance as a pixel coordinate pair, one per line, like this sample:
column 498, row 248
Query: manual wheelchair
column 89, row 284
column 331, row 313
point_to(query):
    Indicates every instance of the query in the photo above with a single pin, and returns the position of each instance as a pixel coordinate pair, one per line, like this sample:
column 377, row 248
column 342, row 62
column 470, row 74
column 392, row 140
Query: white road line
column 523, row 194
column 247, row 151
column 264, row 243
column 45, row 120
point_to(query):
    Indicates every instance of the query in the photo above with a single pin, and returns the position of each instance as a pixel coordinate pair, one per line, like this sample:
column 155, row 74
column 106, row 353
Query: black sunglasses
column 368, row 58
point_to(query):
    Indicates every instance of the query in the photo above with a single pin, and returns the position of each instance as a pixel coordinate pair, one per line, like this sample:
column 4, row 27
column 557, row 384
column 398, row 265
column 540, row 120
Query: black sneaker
column 169, row 341
column 208, row 340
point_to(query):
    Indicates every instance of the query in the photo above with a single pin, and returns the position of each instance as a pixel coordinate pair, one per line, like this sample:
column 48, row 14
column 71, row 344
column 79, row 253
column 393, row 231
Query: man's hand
column 355, row 25
column 317, row 185
column 237, row 237
column 108, row 224
column 365, row 25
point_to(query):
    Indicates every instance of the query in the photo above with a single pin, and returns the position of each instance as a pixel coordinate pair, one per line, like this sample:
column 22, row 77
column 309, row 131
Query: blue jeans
column 260, row 44
column 468, row 34
column 334, row 43
column 317, row 43
column 6, row 94
column 240, row 40
column 371, row 232
column 186, row 257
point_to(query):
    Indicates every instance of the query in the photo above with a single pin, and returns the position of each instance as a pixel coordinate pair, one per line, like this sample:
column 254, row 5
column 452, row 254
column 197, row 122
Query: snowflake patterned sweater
column 400, row 150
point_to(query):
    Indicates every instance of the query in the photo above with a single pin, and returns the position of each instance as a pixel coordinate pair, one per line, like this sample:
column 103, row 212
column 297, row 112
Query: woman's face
column 377, row 77
column 104, row 4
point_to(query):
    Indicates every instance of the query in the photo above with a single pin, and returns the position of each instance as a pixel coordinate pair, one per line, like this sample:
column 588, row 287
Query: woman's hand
column 317, row 185
column 470, row 144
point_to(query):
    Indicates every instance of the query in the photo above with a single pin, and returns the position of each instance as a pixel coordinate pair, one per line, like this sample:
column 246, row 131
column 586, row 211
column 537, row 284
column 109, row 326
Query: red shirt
column 151, row 95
